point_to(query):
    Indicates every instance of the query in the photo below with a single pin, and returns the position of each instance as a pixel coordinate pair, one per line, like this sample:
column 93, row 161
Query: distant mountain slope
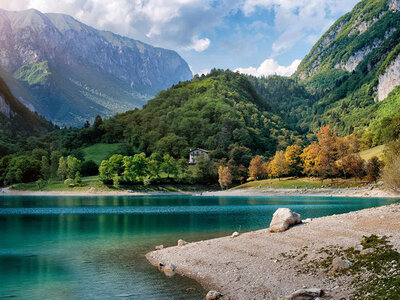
column 16, row 121
column 70, row 72
column 354, row 69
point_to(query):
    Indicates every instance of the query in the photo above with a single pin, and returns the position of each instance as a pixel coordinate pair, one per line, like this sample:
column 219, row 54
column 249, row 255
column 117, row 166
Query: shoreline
column 267, row 265
column 270, row 192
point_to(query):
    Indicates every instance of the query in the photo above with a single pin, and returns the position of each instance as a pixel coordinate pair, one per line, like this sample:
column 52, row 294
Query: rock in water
column 213, row 295
column 339, row 264
column 182, row 243
column 283, row 218
column 305, row 294
column 159, row 247
column 169, row 268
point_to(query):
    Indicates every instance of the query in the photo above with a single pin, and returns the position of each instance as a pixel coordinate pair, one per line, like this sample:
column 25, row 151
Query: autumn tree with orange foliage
column 256, row 168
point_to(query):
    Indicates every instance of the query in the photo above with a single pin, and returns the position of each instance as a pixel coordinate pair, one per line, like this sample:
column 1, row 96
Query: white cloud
column 270, row 67
column 177, row 24
column 300, row 19
column 199, row 45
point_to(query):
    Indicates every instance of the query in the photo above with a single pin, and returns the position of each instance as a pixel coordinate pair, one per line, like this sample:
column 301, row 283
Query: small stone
column 213, row 295
column 305, row 294
column 159, row 247
column 235, row 234
column 367, row 251
column 182, row 243
column 339, row 264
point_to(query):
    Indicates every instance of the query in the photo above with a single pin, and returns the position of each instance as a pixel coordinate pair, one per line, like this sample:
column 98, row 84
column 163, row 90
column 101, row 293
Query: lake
column 93, row 247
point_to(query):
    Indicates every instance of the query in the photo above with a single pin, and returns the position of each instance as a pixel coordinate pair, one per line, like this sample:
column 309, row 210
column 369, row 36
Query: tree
column 205, row 170
column 110, row 167
column 169, row 165
column 256, row 168
column 240, row 155
column 54, row 163
column 353, row 165
column 154, row 165
column 78, row 178
column 278, row 166
column 309, row 158
column 373, row 169
column 224, row 177
column 62, row 168
column 326, row 159
column 135, row 168
column 292, row 156
column 45, row 168
column 73, row 166
column 98, row 122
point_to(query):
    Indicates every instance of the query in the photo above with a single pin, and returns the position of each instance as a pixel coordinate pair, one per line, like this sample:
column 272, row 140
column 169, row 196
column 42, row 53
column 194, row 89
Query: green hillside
column 217, row 112
column 99, row 152
column 344, row 66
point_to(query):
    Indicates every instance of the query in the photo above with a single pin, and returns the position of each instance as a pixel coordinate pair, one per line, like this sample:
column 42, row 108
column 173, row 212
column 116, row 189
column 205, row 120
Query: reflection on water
column 93, row 247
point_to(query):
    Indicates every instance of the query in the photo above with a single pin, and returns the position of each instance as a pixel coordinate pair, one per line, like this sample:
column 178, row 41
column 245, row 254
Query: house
column 193, row 154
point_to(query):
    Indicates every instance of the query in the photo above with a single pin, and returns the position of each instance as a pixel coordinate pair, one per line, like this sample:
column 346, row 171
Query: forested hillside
column 17, row 123
column 352, row 70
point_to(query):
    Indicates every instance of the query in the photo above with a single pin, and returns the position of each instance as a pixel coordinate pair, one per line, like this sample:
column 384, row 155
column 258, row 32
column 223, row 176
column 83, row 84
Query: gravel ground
column 251, row 266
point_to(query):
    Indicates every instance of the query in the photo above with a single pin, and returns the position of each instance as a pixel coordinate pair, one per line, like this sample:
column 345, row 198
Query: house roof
column 199, row 149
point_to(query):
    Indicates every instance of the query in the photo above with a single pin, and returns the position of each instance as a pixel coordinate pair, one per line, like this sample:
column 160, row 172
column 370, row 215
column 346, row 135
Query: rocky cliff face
column 353, row 37
column 389, row 80
column 37, row 47
column 4, row 107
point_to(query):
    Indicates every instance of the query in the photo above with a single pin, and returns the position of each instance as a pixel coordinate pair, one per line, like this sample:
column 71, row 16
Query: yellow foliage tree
column 224, row 176
column 278, row 166
column 292, row 156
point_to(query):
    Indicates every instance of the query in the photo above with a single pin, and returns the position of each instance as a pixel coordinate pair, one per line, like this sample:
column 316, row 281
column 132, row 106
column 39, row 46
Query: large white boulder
column 283, row 218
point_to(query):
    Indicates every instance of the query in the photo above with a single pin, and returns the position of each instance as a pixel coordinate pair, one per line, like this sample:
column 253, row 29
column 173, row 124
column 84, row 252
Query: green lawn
column 292, row 183
column 376, row 151
column 88, row 183
column 99, row 152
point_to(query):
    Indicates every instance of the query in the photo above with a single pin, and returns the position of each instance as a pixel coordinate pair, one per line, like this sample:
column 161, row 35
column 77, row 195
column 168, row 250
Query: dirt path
column 252, row 266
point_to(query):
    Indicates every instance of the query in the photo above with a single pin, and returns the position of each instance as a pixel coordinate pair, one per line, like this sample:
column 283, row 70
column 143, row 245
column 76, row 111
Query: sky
column 258, row 37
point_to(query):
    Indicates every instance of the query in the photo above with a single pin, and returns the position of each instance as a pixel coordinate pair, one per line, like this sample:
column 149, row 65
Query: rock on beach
column 283, row 218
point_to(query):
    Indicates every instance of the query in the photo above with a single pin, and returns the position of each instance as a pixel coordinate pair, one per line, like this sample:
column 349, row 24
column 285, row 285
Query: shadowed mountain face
column 70, row 72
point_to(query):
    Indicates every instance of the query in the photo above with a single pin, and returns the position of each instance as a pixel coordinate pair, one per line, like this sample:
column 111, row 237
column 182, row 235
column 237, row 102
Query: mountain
column 70, row 72
column 17, row 122
column 354, row 70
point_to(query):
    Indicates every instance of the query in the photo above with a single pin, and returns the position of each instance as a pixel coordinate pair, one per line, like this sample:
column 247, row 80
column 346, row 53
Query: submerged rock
column 305, row 294
column 283, row 218
column 169, row 268
column 213, row 295
column 182, row 243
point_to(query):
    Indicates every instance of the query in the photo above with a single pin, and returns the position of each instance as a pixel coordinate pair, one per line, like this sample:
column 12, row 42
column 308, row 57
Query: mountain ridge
column 49, row 52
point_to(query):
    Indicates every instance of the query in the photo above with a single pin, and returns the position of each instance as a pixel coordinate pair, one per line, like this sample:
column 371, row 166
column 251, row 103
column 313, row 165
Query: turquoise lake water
column 94, row 247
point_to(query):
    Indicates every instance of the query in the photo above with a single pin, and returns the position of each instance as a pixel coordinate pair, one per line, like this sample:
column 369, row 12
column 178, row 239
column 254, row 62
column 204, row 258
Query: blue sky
column 259, row 37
